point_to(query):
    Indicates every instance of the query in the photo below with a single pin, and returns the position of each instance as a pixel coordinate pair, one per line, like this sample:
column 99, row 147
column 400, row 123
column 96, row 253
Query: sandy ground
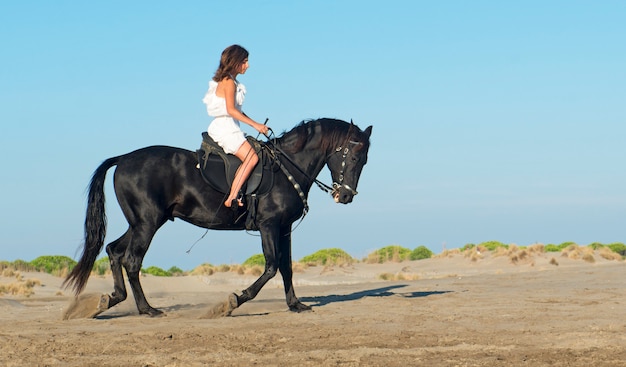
column 459, row 312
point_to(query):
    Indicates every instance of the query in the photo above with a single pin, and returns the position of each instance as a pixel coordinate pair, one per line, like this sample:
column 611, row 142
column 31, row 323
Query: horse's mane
column 332, row 132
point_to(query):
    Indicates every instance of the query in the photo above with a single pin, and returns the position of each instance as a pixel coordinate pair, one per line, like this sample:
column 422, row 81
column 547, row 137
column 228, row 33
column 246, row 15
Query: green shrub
column 596, row 245
column 618, row 247
column 390, row 253
column 468, row 246
column 330, row 256
column 175, row 270
column 551, row 248
column 102, row 266
column 565, row 245
column 53, row 264
column 254, row 260
column 492, row 245
column 156, row 271
column 421, row 252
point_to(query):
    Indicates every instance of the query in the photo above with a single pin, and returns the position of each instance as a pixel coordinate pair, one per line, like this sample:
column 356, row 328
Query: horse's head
column 346, row 163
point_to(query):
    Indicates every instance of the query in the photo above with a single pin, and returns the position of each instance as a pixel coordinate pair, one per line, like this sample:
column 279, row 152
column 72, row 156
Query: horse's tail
column 95, row 229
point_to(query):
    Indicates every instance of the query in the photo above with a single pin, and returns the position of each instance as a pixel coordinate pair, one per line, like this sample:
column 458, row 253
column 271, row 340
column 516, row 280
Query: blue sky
column 492, row 120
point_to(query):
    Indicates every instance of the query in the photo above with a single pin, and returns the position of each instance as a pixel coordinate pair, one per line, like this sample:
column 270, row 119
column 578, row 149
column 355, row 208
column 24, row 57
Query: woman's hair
column 232, row 58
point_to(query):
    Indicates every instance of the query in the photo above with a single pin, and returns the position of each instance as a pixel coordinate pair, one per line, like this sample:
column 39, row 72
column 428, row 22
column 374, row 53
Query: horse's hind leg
column 116, row 251
column 132, row 260
column 91, row 305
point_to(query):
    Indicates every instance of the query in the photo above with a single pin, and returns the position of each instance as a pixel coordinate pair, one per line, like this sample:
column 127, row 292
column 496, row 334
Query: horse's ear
column 368, row 131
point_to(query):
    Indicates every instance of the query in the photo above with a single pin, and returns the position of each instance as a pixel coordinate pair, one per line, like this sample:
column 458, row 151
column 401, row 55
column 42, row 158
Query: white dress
column 224, row 129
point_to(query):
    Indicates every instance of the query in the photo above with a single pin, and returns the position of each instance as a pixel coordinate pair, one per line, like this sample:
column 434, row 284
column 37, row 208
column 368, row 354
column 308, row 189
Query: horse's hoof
column 156, row 313
column 223, row 309
column 300, row 307
column 233, row 301
column 87, row 305
column 152, row 312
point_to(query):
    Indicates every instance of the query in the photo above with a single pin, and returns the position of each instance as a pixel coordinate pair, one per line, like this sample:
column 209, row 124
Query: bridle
column 340, row 184
column 336, row 186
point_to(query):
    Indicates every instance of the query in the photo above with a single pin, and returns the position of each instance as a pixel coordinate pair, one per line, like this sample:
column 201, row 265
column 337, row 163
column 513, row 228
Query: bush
column 21, row 287
column 53, row 264
column 258, row 260
column 607, row 253
column 156, row 271
column 492, row 245
column 203, row 269
column 223, row 268
column 330, row 256
column 596, row 245
column 5, row 265
column 175, row 270
column 21, row 265
column 390, row 253
column 420, row 253
column 468, row 246
column 551, row 248
column 102, row 266
column 618, row 247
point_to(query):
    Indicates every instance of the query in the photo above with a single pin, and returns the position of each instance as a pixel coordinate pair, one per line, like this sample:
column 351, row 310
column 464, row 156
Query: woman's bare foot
column 233, row 203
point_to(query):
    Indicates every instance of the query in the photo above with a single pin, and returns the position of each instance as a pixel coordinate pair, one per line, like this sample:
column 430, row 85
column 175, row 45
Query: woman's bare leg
column 249, row 159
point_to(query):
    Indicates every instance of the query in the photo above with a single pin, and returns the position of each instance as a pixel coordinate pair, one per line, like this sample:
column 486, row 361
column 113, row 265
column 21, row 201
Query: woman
column 224, row 100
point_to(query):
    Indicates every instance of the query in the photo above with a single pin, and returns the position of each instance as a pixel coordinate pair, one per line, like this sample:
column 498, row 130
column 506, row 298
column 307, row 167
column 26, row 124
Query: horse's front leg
column 286, row 270
column 270, row 239
column 277, row 252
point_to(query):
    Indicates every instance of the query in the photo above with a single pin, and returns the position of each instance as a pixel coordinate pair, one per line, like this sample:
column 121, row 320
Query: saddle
column 218, row 168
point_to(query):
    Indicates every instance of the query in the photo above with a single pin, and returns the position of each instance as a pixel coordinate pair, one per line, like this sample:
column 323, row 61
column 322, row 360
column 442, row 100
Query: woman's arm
column 230, row 89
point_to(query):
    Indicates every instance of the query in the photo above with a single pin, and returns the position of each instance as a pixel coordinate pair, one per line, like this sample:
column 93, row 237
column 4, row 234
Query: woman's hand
column 263, row 129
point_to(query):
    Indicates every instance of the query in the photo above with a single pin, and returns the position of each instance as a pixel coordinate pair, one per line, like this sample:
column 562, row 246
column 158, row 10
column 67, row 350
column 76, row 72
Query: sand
column 452, row 312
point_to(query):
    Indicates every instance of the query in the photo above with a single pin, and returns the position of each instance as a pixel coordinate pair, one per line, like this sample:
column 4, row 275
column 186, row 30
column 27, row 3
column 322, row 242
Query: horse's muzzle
column 343, row 193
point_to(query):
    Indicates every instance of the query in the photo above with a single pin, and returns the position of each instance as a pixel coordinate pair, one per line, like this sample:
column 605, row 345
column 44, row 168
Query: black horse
column 160, row 183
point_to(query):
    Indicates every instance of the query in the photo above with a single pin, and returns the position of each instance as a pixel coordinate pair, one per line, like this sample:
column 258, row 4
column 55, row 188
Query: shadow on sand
column 378, row 292
column 115, row 314
column 318, row 301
